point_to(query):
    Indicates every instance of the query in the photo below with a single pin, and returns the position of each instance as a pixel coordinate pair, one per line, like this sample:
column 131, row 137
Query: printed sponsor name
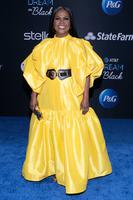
column 109, row 36
column 35, row 36
column 40, row 2
column 40, row 11
column 112, row 75
column 113, row 70
column 112, row 4
column 112, row 7
column 40, row 7
column 108, row 98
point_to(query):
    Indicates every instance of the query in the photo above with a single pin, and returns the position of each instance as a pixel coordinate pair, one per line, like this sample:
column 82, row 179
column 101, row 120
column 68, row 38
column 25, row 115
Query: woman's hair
column 72, row 30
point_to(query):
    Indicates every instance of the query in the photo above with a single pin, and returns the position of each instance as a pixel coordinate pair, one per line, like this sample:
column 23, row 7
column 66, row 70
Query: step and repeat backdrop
column 106, row 24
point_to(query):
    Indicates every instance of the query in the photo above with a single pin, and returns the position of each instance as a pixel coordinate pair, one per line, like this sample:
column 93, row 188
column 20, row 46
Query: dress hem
column 67, row 191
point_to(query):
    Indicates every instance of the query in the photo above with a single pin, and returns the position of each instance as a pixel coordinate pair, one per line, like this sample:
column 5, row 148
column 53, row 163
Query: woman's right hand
column 33, row 101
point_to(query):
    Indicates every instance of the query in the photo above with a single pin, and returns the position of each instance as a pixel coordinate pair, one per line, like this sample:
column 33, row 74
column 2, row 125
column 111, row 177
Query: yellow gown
column 64, row 142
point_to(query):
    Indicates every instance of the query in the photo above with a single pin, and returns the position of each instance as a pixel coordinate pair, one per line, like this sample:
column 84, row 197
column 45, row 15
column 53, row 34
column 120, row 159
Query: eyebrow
column 59, row 15
column 63, row 16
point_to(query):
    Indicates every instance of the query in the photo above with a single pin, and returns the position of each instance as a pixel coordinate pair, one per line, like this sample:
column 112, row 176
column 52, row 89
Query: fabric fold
column 90, row 64
column 69, row 145
column 94, row 62
column 35, row 69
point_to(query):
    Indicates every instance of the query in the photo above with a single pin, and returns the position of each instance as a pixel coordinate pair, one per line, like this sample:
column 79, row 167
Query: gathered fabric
column 64, row 142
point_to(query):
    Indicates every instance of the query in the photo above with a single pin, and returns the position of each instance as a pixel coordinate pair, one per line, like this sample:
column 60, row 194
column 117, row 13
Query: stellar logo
column 108, row 98
column 113, row 69
column 40, row 7
column 112, row 7
column 35, row 36
column 109, row 36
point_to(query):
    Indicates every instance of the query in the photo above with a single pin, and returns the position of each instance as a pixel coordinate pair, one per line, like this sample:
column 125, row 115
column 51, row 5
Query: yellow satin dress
column 64, row 142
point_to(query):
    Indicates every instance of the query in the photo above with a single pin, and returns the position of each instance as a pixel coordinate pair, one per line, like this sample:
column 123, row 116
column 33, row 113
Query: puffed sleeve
column 31, row 67
column 89, row 64
column 94, row 62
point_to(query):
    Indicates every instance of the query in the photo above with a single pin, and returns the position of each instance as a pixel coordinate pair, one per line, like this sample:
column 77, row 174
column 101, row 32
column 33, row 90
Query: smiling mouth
column 62, row 27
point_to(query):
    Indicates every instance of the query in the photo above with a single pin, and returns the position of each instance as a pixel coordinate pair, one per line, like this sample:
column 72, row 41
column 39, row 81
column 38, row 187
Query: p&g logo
column 112, row 7
column 108, row 98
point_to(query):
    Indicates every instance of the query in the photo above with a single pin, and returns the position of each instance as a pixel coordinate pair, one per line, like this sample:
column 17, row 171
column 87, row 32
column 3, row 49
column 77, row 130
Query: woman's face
column 61, row 23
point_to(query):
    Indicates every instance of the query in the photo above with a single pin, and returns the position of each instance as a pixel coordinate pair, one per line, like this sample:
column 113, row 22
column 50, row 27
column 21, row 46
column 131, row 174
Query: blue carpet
column 117, row 186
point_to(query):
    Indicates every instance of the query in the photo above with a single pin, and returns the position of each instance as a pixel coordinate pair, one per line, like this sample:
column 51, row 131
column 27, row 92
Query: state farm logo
column 40, row 7
column 90, row 36
column 109, row 36
column 35, row 35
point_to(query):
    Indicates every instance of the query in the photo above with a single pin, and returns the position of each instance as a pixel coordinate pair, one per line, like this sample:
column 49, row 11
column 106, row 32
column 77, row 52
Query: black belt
column 61, row 73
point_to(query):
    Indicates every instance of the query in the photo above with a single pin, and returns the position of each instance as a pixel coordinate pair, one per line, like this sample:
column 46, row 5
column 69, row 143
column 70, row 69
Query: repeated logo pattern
column 108, row 98
column 112, row 7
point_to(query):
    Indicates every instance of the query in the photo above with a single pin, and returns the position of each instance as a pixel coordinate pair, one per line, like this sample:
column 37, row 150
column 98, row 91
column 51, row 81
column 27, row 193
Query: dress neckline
column 63, row 38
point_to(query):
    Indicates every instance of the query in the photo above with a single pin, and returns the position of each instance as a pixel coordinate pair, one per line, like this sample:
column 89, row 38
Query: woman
column 65, row 137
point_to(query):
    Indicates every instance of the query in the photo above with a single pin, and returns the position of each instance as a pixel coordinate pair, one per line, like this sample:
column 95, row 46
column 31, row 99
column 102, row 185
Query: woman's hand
column 84, row 106
column 33, row 101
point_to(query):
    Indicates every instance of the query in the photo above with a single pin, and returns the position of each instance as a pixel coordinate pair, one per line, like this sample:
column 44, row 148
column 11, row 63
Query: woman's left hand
column 84, row 106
